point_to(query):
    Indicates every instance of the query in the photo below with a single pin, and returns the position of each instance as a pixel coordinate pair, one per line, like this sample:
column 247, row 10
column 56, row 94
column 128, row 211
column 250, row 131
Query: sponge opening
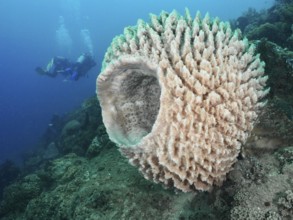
column 133, row 108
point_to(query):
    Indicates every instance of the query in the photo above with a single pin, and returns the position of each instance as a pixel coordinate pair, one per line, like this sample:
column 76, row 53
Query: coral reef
column 257, row 189
column 107, row 187
column 93, row 181
column 71, row 133
column 71, row 127
column 17, row 195
column 286, row 204
column 8, row 173
column 280, row 69
column 74, row 187
column 102, row 185
column 180, row 96
column 274, row 24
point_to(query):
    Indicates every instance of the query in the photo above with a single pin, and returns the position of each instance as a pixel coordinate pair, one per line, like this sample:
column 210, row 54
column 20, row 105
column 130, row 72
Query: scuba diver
column 70, row 70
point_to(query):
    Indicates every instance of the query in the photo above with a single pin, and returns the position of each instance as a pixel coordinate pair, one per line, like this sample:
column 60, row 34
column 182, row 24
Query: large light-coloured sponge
column 179, row 96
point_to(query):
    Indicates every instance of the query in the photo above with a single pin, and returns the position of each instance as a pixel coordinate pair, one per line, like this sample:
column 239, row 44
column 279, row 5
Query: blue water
column 28, row 38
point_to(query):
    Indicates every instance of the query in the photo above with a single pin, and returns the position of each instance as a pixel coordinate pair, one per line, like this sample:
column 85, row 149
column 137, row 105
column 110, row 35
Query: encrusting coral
column 179, row 96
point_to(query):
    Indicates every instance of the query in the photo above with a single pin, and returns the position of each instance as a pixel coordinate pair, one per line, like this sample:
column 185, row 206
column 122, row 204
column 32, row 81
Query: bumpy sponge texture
column 180, row 96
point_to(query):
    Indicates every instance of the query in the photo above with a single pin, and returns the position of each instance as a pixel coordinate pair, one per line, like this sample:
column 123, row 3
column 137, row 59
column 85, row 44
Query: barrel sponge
column 180, row 96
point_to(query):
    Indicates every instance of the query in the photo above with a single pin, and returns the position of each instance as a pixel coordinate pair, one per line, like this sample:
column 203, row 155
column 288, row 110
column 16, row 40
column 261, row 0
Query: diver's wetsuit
column 72, row 71
column 58, row 65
